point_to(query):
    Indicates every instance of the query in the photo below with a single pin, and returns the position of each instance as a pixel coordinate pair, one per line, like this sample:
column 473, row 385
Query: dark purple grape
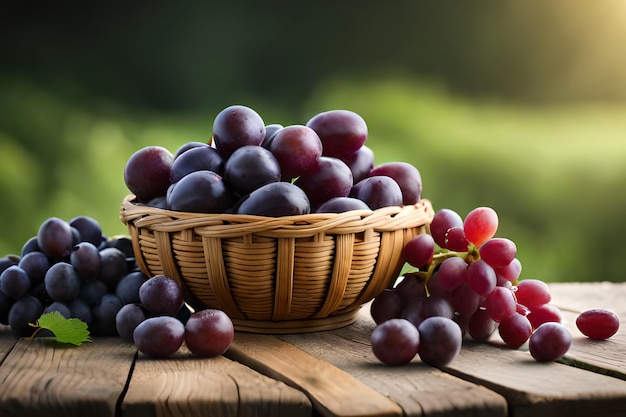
column 85, row 258
column 201, row 192
column 270, row 131
column 159, row 336
column 297, row 149
column 276, row 199
column 360, row 163
column 329, row 178
column 161, row 296
column 209, row 333
column 147, row 172
column 36, row 264
column 92, row 291
column 251, row 167
column 113, row 266
column 24, row 311
column 237, row 126
column 203, row 158
column 14, row 282
column 395, row 342
column 88, row 228
column 127, row 320
column 104, row 312
column 549, row 342
column 342, row 132
column 410, row 288
column 62, row 282
column 378, row 192
column 55, row 238
column 341, row 205
column 5, row 305
column 419, row 310
column 187, row 146
column 407, row 177
column 81, row 310
column 440, row 341
column 31, row 245
column 59, row 307
column 386, row 306
column 481, row 326
column 128, row 288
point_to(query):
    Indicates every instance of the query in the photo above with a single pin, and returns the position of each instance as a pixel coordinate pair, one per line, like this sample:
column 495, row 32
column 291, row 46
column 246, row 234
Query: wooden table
column 330, row 373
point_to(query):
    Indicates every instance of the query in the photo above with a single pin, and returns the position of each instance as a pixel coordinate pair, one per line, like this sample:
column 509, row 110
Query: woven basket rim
column 383, row 219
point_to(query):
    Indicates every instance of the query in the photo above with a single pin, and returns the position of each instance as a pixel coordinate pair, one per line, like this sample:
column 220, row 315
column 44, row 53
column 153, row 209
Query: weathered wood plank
column 602, row 356
column 419, row 389
column 539, row 389
column 7, row 341
column 332, row 391
column 41, row 377
column 184, row 385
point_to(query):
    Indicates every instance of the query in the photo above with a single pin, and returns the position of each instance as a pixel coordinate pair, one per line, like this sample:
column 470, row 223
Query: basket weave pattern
column 276, row 275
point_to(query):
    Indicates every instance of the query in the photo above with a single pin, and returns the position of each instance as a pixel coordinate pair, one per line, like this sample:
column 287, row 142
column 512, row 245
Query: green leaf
column 72, row 330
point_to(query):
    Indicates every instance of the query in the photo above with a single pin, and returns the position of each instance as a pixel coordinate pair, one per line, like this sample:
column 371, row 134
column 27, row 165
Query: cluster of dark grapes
column 160, row 322
column 72, row 268
column 272, row 170
column 468, row 282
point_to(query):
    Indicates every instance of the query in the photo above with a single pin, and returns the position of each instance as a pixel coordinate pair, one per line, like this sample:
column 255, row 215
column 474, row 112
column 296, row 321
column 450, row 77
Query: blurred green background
column 520, row 106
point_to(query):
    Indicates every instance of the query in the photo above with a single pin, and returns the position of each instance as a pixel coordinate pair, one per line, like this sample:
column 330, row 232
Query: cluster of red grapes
column 471, row 286
column 157, row 328
column 69, row 267
column 272, row 170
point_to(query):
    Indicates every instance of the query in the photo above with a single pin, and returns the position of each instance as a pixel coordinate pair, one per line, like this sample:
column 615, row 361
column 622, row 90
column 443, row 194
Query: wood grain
column 601, row 356
column 184, row 385
column 419, row 389
column 7, row 341
column 64, row 381
column 332, row 391
column 539, row 389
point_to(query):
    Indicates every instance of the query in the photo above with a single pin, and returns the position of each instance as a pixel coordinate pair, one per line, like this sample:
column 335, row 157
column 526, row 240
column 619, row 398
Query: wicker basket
column 291, row 274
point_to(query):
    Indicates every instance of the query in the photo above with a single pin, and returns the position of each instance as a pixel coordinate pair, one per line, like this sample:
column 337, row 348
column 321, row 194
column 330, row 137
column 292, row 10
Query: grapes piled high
column 271, row 170
column 472, row 286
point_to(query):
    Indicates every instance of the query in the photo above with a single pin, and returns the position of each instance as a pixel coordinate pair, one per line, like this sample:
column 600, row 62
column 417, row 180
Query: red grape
column 532, row 293
column 543, row 314
column 452, row 273
column 515, row 330
column 480, row 225
column 498, row 252
column 597, row 324
column 481, row 277
column 481, row 326
column 456, row 240
column 419, row 251
column 443, row 221
column 500, row 303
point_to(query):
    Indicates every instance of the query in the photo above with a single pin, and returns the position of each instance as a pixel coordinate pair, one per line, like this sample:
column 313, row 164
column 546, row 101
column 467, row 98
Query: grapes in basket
column 272, row 170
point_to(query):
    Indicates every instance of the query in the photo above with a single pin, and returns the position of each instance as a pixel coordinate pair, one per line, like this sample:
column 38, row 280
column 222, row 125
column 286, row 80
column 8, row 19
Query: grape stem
column 426, row 273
